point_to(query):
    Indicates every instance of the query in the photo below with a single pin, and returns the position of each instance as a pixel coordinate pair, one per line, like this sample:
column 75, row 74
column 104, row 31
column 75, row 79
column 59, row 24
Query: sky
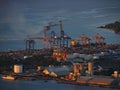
column 22, row 18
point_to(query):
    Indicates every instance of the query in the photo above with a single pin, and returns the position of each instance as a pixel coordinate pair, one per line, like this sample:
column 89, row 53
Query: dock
column 98, row 81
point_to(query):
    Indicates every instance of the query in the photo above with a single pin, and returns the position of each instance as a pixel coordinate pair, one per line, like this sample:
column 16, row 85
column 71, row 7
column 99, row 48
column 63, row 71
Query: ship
column 6, row 77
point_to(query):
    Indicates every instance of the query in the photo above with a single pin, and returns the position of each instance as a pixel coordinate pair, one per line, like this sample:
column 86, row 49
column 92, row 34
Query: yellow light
column 73, row 42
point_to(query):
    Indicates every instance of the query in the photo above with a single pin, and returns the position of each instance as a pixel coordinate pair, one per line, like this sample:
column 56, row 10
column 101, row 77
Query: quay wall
column 98, row 81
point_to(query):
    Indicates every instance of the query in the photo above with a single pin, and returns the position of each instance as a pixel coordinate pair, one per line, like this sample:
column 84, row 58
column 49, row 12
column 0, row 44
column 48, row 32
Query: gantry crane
column 62, row 40
column 84, row 40
column 47, row 39
column 60, row 43
column 99, row 39
column 29, row 44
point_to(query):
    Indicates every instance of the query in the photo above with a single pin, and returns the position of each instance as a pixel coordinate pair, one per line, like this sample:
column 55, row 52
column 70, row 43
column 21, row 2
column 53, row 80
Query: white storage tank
column 18, row 68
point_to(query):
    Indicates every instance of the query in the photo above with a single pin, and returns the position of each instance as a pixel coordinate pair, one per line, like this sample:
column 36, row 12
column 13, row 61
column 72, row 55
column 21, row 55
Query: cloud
column 28, row 19
column 92, row 11
column 23, row 23
column 19, row 26
column 100, row 16
column 104, row 8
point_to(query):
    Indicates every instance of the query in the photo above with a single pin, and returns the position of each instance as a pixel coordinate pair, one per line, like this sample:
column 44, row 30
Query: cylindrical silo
column 116, row 74
column 18, row 68
column 76, row 68
column 90, row 68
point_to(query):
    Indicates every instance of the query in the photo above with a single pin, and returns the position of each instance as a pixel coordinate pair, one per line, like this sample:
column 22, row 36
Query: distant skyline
column 22, row 18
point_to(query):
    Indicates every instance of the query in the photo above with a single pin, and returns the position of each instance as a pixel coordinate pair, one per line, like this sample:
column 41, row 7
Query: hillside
column 115, row 27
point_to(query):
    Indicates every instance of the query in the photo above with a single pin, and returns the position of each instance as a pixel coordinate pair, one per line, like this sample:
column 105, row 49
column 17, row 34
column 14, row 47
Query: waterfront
column 44, row 85
column 23, row 19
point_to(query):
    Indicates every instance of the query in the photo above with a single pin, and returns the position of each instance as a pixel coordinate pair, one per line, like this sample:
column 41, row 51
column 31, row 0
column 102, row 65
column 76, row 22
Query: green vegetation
column 39, row 60
column 7, row 62
column 108, row 65
column 112, row 26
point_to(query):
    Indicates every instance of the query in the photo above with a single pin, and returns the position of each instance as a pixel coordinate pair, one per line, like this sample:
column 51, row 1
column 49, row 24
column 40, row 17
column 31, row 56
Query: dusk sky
column 19, row 18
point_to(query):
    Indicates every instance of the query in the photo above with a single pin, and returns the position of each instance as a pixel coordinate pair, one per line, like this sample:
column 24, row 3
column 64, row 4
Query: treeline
column 112, row 26
column 7, row 62
column 39, row 60
column 108, row 65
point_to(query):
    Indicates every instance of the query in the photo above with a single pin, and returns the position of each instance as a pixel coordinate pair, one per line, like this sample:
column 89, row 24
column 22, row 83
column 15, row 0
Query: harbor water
column 43, row 85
